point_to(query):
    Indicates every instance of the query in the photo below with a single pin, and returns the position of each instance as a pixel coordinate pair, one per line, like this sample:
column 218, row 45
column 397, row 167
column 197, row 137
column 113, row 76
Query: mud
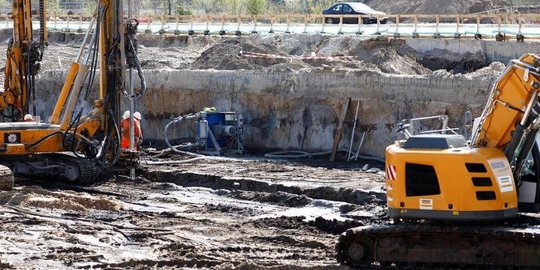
column 168, row 219
column 349, row 185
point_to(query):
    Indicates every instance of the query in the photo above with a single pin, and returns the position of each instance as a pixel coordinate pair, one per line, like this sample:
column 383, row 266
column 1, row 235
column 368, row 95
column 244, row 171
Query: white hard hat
column 126, row 115
column 28, row 117
column 137, row 115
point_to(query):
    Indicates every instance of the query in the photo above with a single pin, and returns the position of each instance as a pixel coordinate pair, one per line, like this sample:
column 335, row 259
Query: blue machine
column 217, row 131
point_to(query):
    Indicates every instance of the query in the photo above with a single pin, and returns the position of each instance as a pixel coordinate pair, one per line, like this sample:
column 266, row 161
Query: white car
column 353, row 8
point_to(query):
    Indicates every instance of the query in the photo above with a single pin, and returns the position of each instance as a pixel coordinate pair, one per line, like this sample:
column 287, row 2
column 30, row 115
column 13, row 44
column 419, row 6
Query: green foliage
column 234, row 7
column 316, row 7
column 146, row 5
column 293, row 7
column 89, row 7
column 209, row 6
column 276, row 8
column 180, row 10
column 4, row 3
column 53, row 6
column 256, row 7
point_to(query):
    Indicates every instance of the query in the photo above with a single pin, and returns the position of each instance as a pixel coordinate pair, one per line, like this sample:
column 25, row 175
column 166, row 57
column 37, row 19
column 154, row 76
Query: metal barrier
column 477, row 26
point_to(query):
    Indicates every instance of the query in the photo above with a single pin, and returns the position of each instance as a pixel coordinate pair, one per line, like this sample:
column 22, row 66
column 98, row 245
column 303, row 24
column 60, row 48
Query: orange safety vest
column 124, row 125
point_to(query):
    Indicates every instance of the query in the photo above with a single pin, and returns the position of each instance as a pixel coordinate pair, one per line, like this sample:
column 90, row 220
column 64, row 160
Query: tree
column 53, row 6
column 256, row 7
column 209, row 6
column 235, row 7
column 320, row 5
column 89, row 7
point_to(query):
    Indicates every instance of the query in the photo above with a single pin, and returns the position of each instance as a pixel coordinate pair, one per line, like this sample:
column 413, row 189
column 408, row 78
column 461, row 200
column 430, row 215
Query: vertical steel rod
column 131, row 106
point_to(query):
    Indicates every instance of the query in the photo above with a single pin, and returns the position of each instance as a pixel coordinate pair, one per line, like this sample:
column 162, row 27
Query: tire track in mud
column 193, row 179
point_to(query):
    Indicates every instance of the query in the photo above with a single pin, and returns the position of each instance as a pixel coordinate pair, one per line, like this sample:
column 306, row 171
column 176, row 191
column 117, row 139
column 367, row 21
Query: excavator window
column 421, row 180
column 529, row 189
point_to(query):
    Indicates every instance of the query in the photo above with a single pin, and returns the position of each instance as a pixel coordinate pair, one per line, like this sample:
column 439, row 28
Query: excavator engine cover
column 449, row 183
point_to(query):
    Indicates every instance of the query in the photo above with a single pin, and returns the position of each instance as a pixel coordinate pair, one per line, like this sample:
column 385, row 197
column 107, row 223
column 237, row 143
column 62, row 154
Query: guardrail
column 477, row 26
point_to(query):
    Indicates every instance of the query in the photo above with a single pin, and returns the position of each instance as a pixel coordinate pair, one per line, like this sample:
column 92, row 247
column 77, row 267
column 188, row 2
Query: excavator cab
column 529, row 188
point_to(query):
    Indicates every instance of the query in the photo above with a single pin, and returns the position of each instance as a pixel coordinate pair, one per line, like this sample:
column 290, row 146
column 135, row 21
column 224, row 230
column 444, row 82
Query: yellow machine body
column 70, row 145
column 435, row 175
column 451, row 184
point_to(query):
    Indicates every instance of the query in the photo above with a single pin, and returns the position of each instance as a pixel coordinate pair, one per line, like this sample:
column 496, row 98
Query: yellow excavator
column 71, row 145
column 457, row 202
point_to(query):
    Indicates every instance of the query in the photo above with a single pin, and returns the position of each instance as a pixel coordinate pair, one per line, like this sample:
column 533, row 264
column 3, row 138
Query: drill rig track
column 463, row 246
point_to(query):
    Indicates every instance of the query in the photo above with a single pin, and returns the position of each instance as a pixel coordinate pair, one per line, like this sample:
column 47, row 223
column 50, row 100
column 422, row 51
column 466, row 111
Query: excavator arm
column 510, row 120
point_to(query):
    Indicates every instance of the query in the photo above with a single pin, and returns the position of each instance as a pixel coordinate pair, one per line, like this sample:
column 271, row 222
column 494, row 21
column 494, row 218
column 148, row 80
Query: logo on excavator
column 497, row 165
column 12, row 137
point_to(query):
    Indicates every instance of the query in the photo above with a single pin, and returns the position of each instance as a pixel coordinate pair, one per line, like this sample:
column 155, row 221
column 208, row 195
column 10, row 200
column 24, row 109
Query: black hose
column 139, row 72
column 93, row 65
column 50, row 167
column 64, row 141
column 43, row 139
column 116, row 151
column 174, row 121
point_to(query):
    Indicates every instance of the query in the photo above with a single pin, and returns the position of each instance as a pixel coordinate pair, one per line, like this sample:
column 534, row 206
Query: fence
column 413, row 25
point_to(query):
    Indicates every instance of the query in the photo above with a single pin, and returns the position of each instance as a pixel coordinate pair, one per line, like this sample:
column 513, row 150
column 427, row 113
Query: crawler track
column 439, row 245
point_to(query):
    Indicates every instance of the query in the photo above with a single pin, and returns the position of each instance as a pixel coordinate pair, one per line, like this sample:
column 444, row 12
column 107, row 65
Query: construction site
column 273, row 150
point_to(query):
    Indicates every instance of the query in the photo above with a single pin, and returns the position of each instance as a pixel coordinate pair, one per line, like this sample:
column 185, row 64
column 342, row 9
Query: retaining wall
column 492, row 50
column 299, row 110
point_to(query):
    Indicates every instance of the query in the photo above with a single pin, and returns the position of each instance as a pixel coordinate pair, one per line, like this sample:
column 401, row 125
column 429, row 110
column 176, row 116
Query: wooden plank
column 339, row 131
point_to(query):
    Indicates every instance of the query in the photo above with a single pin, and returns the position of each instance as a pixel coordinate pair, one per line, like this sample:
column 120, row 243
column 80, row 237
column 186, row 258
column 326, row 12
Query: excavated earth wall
column 284, row 110
column 299, row 109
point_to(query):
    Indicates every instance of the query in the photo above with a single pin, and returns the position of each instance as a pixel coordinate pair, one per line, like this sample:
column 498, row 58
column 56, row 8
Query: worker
column 28, row 118
column 137, row 117
column 125, row 130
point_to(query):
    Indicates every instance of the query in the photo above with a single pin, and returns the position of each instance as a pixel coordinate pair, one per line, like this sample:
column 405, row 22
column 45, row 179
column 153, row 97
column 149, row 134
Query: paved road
column 405, row 30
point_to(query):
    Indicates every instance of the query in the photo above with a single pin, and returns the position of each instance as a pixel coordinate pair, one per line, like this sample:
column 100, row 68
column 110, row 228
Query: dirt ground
column 207, row 214
column 379, row 54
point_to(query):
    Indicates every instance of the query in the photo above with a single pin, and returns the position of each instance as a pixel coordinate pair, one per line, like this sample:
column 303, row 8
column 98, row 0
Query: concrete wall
column 493, row 50
column 294, row 110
